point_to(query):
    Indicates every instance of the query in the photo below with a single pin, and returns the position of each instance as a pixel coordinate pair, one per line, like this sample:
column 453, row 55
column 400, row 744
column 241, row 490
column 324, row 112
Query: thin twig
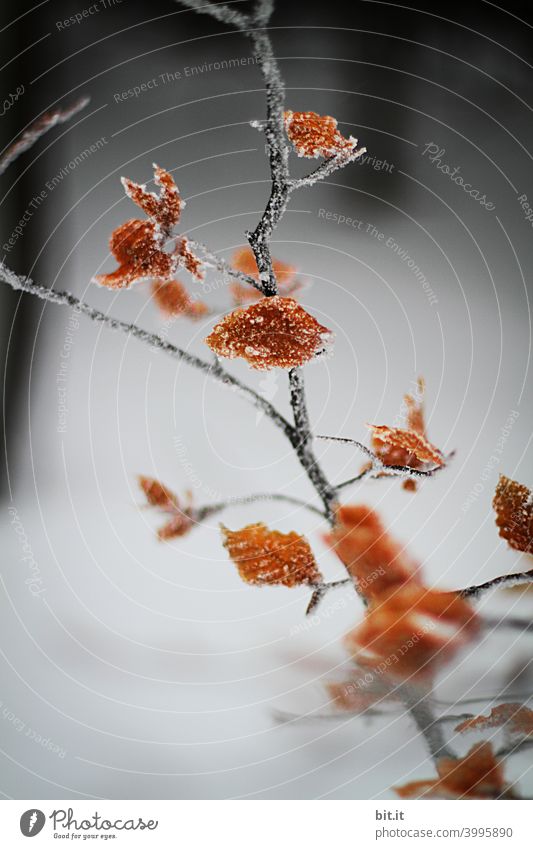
column 513, row 580
column 327, row 168
column 208, row 510
column 377, row 469
column 38, row 129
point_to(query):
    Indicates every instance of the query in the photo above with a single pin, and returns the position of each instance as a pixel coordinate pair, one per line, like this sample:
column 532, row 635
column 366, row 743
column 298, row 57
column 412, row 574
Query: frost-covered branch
column 326, row 169
column 513, row 580
column 213, row 370
column 38, row 129
column 222, row 266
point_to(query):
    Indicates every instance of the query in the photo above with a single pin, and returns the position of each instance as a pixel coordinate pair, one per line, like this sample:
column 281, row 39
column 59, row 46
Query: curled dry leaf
column 172, row 298
column 517, row 719
column 273, row 333
column 513, row 504
column 164, row 208
column 244, row 260
column 314, row 135
column 263, row 556
column 409, row 632
column 479, row 775
column 375, row 560
column 138, row 246
column 181, row 517
column 413, row 445
column 402, row 447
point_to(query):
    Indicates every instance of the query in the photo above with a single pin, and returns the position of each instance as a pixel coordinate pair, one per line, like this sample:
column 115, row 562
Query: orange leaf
column 138, row 248
column 263, row 556
column 138, row 245
column 372, row 556
column 173, row 299
column 410, row 631
column 413, row 444
column 165, row 208
column 476, row 776
column 513, row 503
column 274, row 332
column 160, row 496
column 517, row 718
column 314, row 135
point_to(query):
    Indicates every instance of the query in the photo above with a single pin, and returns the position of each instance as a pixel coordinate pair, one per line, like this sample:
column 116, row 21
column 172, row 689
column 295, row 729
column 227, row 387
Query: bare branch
column 302, row 442
column 38, row 129
column 213, row 370
column 513, row 580
column 321, row 590
column 201, row 513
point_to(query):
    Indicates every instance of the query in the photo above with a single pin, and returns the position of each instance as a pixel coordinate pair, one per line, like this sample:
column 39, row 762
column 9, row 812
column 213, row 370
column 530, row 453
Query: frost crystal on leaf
column 375, row 560
column 479, row 775
column 413, row 630
column 315, row 135
column 172, row 298
column 275, row 332
column 263, row 556
column 514, row 514
column 181, row 518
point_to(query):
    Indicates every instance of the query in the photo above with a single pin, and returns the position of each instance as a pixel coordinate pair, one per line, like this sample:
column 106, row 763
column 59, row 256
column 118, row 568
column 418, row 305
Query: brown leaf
column 181, row 518
column 513, row 503
column 164, row 208
column 263, row 556
column 274, row 332
column 411, row 631
column 478, row 775
column 372, row 556
column 173, row 299
column 138, row 248
column 517, row 719
column 314, row 135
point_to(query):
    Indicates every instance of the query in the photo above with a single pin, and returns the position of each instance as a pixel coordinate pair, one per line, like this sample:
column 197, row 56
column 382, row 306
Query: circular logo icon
column 32, row 822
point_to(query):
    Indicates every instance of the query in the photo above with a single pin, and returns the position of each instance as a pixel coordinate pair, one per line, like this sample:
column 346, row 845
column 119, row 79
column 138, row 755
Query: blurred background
column 135, row 669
